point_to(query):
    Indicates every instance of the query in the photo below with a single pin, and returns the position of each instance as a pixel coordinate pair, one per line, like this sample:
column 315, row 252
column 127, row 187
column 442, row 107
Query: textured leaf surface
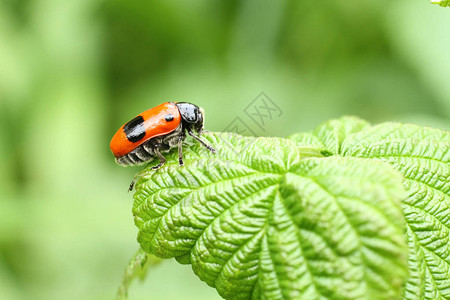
column 260, row 220
column 422, row 155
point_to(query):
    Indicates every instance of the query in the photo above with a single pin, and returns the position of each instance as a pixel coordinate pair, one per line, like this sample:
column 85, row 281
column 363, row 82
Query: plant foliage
column 325, row 214
column 443, row 3
column 422, row 156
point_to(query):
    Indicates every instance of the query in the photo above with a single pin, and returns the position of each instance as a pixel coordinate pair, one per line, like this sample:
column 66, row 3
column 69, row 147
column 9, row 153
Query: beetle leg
column 137, row 177
column 161, row 158
column 133, row 183
column 202, row 142
column 180, row 150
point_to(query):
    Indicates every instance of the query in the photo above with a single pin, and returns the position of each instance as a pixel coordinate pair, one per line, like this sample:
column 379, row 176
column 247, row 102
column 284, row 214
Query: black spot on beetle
column 168, row 117
column 134, row 129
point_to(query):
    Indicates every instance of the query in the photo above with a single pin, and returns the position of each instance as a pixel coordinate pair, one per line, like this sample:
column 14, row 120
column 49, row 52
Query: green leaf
column 443, row 3
column 422, row 155
column 330, row 135
column 262, row 219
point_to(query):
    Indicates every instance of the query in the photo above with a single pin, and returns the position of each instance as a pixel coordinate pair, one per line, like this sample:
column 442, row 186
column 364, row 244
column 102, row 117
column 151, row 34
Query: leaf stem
column 137, row 267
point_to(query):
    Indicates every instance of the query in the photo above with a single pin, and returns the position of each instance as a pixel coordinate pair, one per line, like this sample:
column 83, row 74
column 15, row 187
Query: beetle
column 158, row 129
column 155, row 130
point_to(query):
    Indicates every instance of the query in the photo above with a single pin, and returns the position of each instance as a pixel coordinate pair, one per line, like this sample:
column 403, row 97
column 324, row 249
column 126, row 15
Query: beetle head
column 191, row 115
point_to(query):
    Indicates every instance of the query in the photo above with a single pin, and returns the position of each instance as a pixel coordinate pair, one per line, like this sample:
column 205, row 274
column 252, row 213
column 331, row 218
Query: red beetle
column 155, row 130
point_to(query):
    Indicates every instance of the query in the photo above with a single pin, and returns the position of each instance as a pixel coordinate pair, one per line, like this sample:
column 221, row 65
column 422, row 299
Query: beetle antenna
column 201, row 141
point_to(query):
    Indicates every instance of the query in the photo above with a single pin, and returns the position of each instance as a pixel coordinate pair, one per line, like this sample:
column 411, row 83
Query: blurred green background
column 72, row 72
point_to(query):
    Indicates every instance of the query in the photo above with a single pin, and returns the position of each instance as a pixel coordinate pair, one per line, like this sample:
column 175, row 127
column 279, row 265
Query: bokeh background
column 72, row 72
